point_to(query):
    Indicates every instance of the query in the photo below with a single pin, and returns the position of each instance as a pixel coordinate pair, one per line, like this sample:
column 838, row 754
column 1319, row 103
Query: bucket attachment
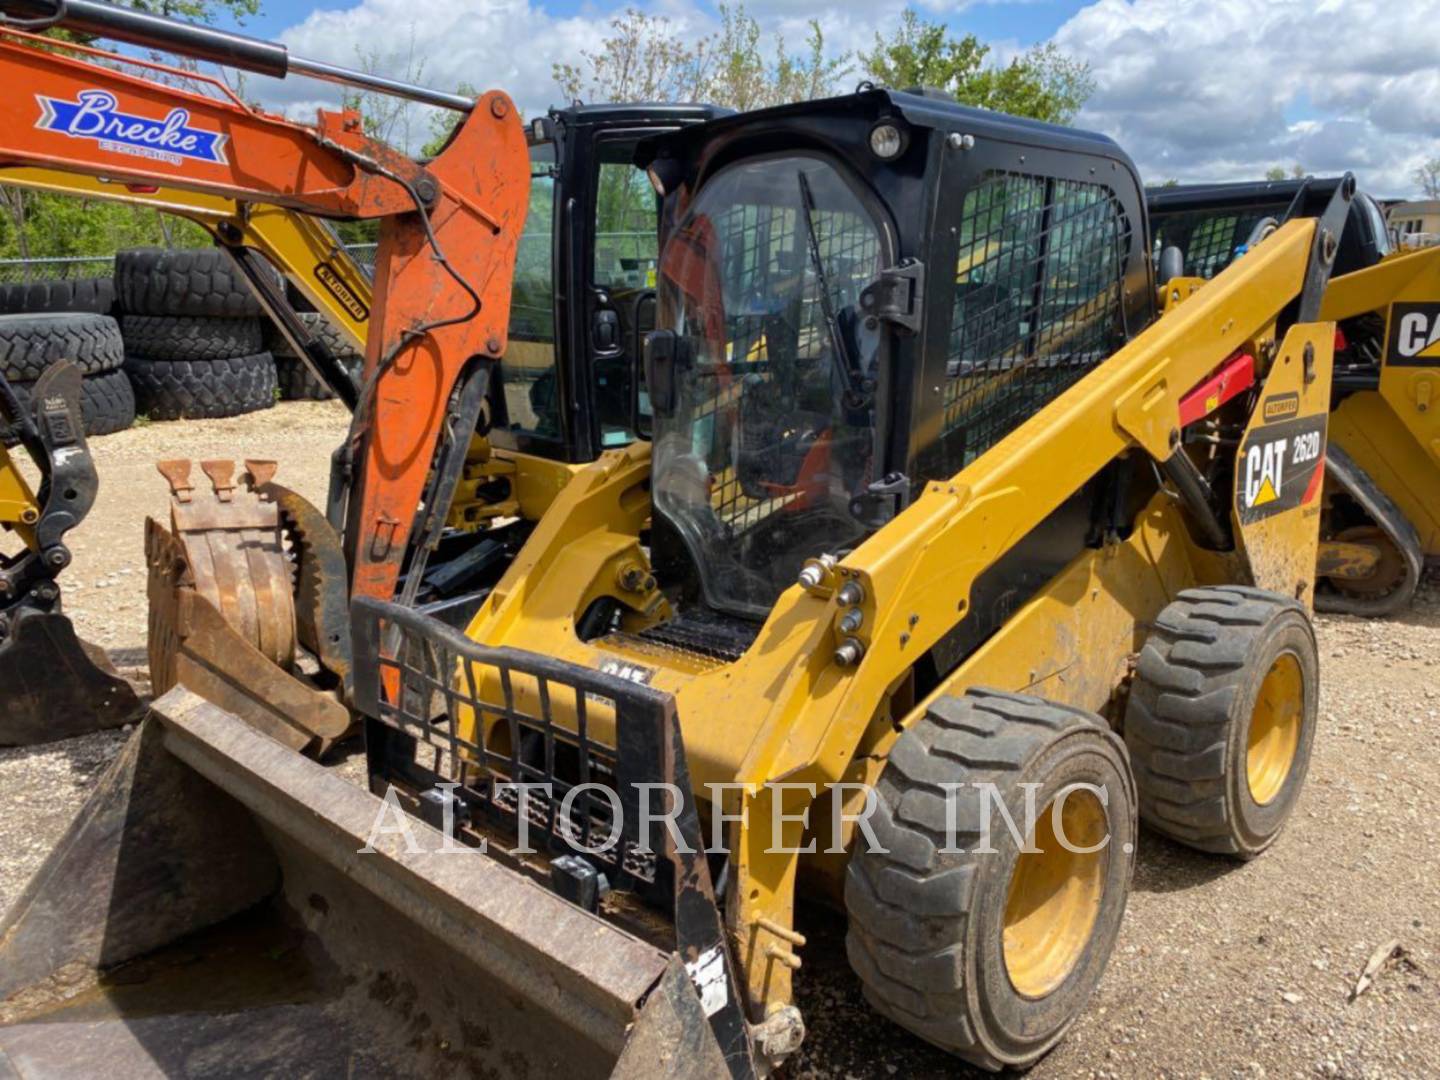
column 54, row 685
column 57, row 686
column 222, row 905
column 222, row 607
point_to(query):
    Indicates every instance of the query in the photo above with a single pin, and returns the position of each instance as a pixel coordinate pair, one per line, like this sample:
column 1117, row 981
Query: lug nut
column 849, row 652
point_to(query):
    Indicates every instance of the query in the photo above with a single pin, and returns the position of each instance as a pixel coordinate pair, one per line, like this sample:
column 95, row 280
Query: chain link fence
column 26, row 271
column 621, row 259
column 71, row 267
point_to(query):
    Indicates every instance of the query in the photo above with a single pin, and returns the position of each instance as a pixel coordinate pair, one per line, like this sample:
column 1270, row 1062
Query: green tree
column 1279, row 172
column 646, row 59
column 1042, row 83
column 37, row 224
column 741, row 77
column 206, row 11
column 1427, row 178
column 443, row 123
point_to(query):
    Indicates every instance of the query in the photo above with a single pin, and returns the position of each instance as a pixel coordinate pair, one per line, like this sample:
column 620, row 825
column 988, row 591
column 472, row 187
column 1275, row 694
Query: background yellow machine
column 1382, row 495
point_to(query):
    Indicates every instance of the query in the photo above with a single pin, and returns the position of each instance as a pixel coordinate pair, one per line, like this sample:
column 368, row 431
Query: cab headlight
column 887, row 141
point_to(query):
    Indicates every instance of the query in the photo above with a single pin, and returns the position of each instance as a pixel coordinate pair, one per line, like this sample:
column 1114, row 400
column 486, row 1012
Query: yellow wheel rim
column 1275, row 729
column 1055, row 896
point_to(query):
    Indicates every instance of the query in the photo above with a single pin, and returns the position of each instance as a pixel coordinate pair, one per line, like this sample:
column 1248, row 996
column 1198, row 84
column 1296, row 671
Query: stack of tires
column 194, row 342
column 43, row 322
column 296, row 381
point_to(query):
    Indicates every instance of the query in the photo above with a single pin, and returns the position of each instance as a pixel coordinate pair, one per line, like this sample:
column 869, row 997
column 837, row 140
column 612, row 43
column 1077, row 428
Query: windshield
column 773, row 429
column 532, row 403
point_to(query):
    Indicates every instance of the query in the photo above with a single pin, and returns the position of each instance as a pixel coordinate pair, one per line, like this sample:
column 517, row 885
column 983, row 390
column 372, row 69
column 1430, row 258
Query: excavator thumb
column 224, row 906
column 223, row 607
column 55, row 685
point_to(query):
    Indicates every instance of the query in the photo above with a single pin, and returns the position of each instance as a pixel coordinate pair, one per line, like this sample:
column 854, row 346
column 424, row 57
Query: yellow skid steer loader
column 1381, row 520
column 939, row 520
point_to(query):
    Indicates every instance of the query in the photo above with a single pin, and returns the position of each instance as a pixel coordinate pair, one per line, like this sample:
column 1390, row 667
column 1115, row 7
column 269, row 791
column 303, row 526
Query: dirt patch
column 1222, row 969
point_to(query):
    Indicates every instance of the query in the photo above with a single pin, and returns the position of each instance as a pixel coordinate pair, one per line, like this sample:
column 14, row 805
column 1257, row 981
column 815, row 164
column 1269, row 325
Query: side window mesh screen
column 1209, row 239
column 1037, row 304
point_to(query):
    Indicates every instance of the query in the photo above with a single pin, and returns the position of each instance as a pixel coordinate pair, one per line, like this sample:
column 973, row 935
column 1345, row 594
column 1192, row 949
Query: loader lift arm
column 448, row 232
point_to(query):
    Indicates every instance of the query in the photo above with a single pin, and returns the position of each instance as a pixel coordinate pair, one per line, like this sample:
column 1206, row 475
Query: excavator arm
column 448, row 231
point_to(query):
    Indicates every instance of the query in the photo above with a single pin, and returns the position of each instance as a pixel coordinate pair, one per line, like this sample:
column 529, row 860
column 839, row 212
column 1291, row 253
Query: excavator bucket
column 225, row 906
column 223, row 618
column 55, row 685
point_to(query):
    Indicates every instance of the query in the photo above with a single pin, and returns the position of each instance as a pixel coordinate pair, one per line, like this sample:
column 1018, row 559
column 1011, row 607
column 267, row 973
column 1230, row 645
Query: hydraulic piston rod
column 207, row 43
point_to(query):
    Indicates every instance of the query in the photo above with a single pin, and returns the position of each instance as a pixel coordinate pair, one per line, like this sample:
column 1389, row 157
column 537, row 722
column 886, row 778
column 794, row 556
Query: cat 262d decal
column 1281, row 464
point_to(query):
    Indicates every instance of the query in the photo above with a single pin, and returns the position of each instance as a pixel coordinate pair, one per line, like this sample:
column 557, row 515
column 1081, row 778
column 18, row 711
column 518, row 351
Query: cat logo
column 1280, row 467
column 1414, row 335
column 1264, row 472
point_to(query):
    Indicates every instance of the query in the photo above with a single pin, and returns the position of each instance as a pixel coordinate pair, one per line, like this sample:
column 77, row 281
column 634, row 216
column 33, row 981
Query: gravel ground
column 1222, row 970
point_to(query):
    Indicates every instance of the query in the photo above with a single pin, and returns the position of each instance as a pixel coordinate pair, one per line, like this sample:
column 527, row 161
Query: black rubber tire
column 31, row 343
column 319, row 325
column 926, row 929
column 169, row 337
column 199, row 389
column 107, row 405
column 298, row 383
column 198, row 281
column 95, row 295
column 1187, row 723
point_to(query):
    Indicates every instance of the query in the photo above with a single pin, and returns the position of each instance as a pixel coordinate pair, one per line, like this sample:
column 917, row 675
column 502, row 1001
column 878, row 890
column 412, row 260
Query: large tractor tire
column 297, row 382
column 95, row 295
column 1221, row 717
column 31, row 343
column 198, row 282
column 200, row 389
column 991, row 952
column 107, row 405
column 163, row 337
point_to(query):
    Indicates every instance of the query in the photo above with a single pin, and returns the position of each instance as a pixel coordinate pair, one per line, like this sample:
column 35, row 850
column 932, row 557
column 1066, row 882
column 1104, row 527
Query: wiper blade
column 845, row 363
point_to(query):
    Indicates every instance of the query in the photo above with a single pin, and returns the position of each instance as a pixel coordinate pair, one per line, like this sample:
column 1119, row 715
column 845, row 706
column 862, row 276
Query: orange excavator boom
column 448, row 230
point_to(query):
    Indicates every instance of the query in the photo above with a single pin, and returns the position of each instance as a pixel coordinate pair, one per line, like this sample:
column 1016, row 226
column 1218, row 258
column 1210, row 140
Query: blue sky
column 1193, row 89
column 1026, row 23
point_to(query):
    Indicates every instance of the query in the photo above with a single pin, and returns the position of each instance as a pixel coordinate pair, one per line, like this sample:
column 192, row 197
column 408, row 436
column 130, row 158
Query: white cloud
column 489, row 44
column 1210, row 89
column 1193, row 89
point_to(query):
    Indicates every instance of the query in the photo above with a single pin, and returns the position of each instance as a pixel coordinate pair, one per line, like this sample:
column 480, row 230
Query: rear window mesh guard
column 1038, row 303
column 1210, row 240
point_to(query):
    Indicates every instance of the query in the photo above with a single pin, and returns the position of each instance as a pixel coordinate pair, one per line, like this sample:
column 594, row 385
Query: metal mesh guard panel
column 1210, row 239
column 765, row 252
column 516, row 698
column 1038, row 303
